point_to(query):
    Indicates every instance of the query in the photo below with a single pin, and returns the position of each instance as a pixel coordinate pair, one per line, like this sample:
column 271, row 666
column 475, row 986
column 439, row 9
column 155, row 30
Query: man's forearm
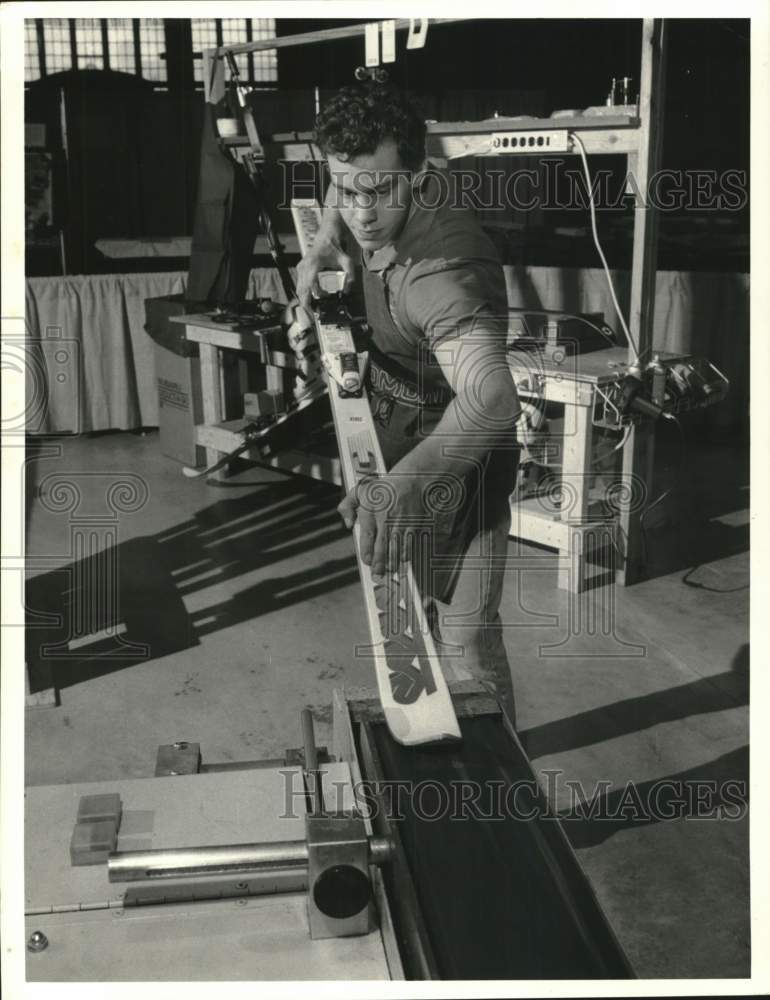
column 482, row 414
column 332, row 227
column 328, row 250
column 469, row 429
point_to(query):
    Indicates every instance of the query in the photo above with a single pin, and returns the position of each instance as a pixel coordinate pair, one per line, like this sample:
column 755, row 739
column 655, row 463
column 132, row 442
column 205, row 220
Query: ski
column 413, row 691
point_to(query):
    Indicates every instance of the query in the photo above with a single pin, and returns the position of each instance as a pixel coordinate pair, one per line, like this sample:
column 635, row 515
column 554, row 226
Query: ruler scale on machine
column 414, row 694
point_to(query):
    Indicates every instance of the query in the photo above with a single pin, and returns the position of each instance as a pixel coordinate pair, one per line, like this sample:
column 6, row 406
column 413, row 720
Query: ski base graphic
column 413, row 691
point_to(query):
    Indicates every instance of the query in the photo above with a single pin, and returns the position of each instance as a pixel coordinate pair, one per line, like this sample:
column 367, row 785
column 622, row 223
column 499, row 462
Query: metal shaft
column 136, row 866
column 143, row 866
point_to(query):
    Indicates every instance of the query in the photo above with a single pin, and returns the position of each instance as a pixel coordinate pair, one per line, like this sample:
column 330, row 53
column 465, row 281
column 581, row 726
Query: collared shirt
column 442, row 277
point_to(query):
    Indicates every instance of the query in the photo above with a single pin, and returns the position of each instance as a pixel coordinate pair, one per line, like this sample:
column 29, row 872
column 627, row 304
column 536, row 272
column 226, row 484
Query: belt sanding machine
column 366, row 860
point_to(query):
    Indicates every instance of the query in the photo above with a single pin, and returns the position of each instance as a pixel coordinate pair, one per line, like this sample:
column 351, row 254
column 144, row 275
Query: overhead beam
column 324, row 35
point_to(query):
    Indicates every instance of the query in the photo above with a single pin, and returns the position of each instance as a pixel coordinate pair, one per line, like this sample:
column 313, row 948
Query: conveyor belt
column 499, row 898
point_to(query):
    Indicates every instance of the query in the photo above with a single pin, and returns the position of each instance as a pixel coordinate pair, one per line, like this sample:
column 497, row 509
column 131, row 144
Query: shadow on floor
column 708, row 694
column 717, row 790
column 122, row 604
column 704, row 517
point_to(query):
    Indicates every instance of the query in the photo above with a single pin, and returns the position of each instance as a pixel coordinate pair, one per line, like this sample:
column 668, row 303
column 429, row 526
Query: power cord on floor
column 703, row 586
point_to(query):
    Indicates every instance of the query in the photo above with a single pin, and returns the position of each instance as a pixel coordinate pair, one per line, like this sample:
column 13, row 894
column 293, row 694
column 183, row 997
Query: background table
column 109, row 378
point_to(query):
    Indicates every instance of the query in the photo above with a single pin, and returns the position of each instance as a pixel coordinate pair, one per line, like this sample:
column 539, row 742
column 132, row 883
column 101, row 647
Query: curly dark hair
column 358, row 118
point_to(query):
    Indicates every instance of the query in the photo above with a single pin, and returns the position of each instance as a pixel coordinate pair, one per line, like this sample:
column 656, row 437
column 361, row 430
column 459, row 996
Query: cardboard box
column 177, row 375
column 179, row 405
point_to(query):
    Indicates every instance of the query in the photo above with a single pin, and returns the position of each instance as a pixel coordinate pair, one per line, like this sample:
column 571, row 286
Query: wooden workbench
column 217, row 434
column 564, row 523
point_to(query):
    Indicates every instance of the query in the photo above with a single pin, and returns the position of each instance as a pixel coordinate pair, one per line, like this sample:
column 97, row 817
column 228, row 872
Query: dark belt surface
column 502, row 898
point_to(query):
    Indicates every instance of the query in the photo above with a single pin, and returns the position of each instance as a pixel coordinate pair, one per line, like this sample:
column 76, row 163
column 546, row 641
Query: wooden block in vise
column 92, row 843
column 469, row 697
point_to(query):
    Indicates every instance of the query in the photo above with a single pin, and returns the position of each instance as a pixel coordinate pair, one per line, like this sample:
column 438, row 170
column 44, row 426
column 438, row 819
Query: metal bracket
column 177, row 758
column 339, row 892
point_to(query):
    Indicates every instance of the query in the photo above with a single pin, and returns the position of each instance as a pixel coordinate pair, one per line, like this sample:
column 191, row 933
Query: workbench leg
column 276, row 383
column 571, row 573
column 274, row 377
column 211, row 392
column 638, row 452
column 576, row 470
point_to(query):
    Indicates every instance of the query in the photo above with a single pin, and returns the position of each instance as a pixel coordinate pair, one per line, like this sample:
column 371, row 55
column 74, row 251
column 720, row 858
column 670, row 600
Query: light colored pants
column 469, row 632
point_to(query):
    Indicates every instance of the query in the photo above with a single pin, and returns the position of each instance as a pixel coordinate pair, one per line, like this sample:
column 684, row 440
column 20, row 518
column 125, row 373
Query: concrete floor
column 246, row 595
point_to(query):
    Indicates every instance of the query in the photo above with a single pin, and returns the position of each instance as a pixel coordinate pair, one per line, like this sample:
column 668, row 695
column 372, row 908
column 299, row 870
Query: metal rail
column 185, row 862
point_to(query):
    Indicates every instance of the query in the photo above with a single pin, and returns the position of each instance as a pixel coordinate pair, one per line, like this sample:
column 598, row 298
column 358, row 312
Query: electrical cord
column 606, row 454
column 623, row 440
column 581, row 149
column 711, row 590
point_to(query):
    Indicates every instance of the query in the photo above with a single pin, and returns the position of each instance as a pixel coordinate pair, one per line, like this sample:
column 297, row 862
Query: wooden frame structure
column 638, row 137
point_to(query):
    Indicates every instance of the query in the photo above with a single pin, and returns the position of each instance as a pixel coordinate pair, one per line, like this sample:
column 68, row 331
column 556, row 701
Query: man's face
column 373, row 193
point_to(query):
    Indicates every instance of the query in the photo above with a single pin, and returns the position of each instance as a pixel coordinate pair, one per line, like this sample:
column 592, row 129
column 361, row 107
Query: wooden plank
column 597, row 367
column 575, row 472
column 223, row 337
column 214, row 88
column 596, row 123
column 531, row 522
column 610, row 141
column 274, row 376
column 324, row 35
column 576, row 460
column 449, row 146
column 211, row 393
column 324, row 468
column 645, row 247
column 638, row 454
column 453, row 146
column 473, row 140
column 469, row 697
column 221, row 439
column 206, row 321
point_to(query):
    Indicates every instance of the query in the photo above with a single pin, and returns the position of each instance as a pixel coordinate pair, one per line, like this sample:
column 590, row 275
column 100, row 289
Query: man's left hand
column 387, row 509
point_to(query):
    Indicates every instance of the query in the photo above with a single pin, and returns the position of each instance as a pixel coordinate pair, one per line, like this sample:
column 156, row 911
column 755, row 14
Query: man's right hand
column 325, row 255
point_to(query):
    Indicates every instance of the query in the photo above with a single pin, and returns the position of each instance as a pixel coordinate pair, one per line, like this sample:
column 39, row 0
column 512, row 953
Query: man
column 441, row 393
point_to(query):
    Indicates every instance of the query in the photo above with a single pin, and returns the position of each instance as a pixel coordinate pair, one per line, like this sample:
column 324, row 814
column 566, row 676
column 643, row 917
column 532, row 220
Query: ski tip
column 405, row 732
column 429, row 739
column 191, row 473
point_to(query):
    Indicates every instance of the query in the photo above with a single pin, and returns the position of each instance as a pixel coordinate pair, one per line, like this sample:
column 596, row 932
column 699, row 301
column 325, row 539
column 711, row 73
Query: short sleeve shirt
column 442, row 277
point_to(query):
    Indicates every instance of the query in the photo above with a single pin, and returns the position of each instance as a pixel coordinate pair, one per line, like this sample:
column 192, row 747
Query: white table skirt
column 97, row 322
